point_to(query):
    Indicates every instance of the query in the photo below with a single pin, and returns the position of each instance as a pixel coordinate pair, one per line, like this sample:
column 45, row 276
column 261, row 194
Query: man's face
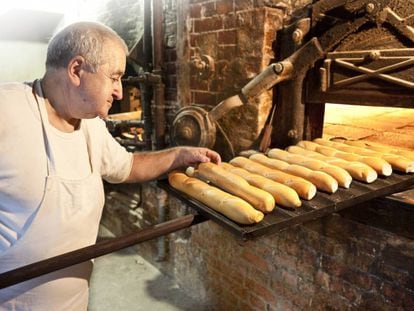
column 98, row 90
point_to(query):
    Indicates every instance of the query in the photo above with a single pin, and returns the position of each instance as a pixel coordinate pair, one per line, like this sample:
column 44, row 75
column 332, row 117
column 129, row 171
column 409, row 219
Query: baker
column 54, row 152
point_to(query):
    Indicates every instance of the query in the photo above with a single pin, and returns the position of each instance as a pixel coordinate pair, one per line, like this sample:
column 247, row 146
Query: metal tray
column 322, row 204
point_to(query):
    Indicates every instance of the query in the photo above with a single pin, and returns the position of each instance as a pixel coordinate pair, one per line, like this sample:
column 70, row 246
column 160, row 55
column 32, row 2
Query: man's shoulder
column 15, row 87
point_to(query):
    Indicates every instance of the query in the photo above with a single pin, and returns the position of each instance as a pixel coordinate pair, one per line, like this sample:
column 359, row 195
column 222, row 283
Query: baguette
column 343, row 178
column 358, row 170
column 229, row 205
column 381, row 166
column 396, row 162
column 305, row 189
column 374, row 146
column 236, row 185
column 282, row 194
column 321, row 180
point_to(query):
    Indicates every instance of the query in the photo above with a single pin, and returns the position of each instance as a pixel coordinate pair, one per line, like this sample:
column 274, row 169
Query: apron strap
column 37, row 89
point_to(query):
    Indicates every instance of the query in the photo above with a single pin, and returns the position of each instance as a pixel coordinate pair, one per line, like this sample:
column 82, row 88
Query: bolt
column 374, row 55
column 186, row 132
column 370, row 7
column 278, row 68
column 297, row 36
column 293, row 134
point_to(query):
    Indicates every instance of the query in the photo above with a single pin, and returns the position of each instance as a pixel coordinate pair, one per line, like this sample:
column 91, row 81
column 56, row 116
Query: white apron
column 67, row 219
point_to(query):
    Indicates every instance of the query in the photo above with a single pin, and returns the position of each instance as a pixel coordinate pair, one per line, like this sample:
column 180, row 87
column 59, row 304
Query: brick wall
column 328, row 264
column 334, row 263
column 238, row 36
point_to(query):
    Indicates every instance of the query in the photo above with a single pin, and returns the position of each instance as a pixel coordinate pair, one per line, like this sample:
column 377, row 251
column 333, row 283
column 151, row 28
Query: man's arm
column 150, row 165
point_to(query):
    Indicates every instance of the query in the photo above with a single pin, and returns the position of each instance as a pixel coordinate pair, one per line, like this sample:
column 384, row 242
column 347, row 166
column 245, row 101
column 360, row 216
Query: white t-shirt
column 23, row 160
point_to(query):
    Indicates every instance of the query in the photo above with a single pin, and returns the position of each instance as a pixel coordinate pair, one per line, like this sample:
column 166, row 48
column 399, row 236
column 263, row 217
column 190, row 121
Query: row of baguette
column 249, row 186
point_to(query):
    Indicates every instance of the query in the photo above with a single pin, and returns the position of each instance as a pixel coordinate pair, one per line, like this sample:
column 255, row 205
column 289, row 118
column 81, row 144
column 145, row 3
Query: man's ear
column 75, row 68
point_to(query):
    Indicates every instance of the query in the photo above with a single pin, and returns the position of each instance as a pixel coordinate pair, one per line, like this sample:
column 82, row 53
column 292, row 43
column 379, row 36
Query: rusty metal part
column 158, row 87
column 272, row 75
column 203, row 65
column 102, row 248
column 302, row 29
column 192, row 127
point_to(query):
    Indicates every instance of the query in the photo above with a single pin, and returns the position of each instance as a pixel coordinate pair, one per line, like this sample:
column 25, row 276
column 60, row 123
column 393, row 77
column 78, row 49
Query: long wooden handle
column 102, row 248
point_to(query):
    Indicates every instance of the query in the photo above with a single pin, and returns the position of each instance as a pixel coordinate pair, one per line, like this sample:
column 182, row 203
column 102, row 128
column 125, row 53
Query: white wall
column 21, row 61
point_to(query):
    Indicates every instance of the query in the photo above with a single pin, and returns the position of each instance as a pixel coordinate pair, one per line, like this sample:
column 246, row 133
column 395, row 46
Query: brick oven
column 361, row 257
column 355, row 252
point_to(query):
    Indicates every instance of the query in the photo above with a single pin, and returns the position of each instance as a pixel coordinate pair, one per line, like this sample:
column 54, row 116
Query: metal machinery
column 339, row 48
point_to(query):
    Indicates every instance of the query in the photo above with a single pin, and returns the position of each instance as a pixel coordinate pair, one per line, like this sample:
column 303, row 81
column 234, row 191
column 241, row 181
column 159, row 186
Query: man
column 54, row 152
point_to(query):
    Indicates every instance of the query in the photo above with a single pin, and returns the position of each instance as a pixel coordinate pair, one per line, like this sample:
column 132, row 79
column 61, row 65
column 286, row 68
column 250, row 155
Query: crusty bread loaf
column 321, row 180
column 381, row 166
column 305, row 189
column 283, row 195
column 229, row 205
column 358, row 170
column 375, row 146
column 343, row 178
column 236, row 185
column 398, row 163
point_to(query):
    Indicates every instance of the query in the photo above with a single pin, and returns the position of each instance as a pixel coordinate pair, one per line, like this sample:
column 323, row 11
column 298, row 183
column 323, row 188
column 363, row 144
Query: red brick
column 195, row 10
column 235, row 275
column 204, row 98
column 224, row 6
column 257, row 261
column 259, row 276
column 290, row 279
column 243, row 5
column 256, row 303
column 227, row 37
column 208, row 24
column 285, row 261
column 208, row 9
column 332, row 266
column 227, row 52
column 260, row 291
column 358, row 278
column 230, row 21
column 193, row 42
column 343, row 288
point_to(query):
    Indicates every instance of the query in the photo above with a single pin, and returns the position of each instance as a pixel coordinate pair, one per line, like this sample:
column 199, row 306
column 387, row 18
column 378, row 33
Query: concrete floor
column 126, row 281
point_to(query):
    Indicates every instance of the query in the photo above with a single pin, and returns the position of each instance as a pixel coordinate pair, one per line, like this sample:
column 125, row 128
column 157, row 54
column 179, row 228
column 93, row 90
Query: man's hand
column 150, row 165
column 192, row 156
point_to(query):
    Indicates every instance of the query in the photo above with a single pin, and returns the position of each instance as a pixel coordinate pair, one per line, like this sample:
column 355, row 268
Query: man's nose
column 117, row 91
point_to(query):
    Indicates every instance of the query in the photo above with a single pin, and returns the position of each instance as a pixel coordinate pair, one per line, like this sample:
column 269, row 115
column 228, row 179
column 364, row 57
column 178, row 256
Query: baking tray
column 321, row 205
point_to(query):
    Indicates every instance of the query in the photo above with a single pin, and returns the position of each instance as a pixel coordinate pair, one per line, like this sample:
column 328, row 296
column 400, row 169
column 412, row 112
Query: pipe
column 159, row 111
column 52, row 264
column 159, row 88
column 146, row 93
